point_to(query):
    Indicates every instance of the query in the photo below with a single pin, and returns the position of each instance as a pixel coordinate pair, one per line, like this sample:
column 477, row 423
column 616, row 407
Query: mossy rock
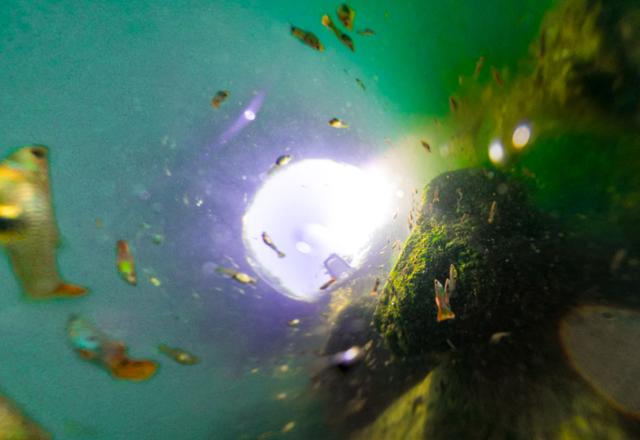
column 509, row 269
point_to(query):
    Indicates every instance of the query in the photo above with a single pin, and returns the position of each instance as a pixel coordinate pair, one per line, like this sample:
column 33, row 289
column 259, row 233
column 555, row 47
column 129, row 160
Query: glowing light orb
column 313, row 209
column 249, row 115
column 521, row 136
column 496, row 152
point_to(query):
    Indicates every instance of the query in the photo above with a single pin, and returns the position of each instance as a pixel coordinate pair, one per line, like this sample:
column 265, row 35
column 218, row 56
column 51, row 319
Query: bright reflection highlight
column 313, row 209
column 496, row 151
column 249, row 115
column 521, row 136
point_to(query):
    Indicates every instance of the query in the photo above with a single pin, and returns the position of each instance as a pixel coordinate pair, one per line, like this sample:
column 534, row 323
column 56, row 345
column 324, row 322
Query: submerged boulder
column 511, row 272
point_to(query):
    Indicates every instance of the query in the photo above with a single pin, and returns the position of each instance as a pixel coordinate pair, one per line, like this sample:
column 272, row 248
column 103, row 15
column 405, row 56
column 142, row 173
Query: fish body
column 453, row 104
column 337, row 123
column 361, row 84
column 479, row 65
column 453, row 279
column 426, row 146
column 344, row 38
column 307, row 38
column 179, row 355
column 266, row 239
column 442, row 301
column 27, row 223
column 496, row 76
column 367, row 32
column 346, row 15
column 376, row 285
column 220, row 97
column 283, row 160
column 328, row 283
column 240, row 277
column 92, row 345
column 125, row 263
column 493, row 209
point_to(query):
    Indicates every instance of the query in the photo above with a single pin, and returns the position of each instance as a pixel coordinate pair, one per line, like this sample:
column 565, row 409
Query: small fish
column 27, row 223
column 178, row 355
column 367, row 32
column 497, row 337
column 374, row 291
column 328, row 283
column 453, row 279
column 496, row 76
column 442, row 301
column 293, row 322
column 361, row 84
column 453, row 104
column 240, row 277
column 219, row 98
column 344, row 38
column 125, row 263
column 266, row 239
column 307, row 38
column 288, row 427
column 93, row 346
column 346, row 15
column 426, row 146
column 493, row 209
column 283, row 160
column 337, row 123
column 479, row 65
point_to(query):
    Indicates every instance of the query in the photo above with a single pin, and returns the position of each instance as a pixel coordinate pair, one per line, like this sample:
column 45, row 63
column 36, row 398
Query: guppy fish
column 442, row 301
column 240, row 277
column 337, row 123
column 179, row 355
column 124, row 261
column 307, row 38
column 346, row 15
column 344, row 38
column 92, row 345
column 266, row 239
column 27, row 223
column 219, row 98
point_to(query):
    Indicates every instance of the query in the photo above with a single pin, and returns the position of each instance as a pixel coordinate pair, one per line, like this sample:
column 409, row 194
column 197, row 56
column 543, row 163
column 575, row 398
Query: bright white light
column 249, row 115
column 496, row 152
column 521, row 136
column 313, row 209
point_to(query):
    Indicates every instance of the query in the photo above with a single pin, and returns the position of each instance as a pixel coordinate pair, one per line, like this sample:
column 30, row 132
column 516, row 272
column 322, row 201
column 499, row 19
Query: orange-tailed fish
column 240, row 277
column 344, row 38
column 219, row 98
column 307, row 38
column 178, row 355
column 93, row 346
column 346, row 15
column 27, row 223
column 442, row 301
column 266, row 239
column 337, row 123
column 125, row 263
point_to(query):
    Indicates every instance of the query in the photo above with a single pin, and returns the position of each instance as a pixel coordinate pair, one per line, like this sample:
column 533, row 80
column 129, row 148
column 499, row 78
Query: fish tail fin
column 138, row 370
column 443, row 315
column 67, row 289
column 281, row 254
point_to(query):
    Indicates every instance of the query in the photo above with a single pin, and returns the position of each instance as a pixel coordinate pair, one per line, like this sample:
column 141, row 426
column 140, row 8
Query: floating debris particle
column 293, row 322
column 346, row 15
column 453, row 279
column 125, row 263
column 158, row 239
column 281, row 396
column 219, row 98
column 496, row 76
column 453, row 104
column 426, row 146
column 617, row 260
column 337, row 123
column 284, row 368
column 308, row 38
column 479, row 65
column 361, row 84
column 179, row 355
column 493, row 209
column 254, row 370
column 155, row 281
column 497, row 337
column 266, row 239
column 288, row 427
column 99, row 223
column 366, row 32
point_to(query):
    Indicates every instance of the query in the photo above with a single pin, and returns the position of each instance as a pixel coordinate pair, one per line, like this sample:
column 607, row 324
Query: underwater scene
column 281, row 219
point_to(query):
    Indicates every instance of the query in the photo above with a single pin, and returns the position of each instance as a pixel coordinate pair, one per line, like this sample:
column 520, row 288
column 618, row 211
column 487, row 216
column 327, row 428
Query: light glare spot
column 249, row 115
column 303, row 247
column 496, row 152
column 521, row 136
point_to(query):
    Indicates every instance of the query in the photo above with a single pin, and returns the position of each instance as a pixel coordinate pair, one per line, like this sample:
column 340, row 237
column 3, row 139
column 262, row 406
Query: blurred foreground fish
column 426, row 146
column 92, row 345
column 307, row 38
column 219, row 98
column 16, row 426
column 479, row 65
column 344, row 38
column 376, row 285
column 442, row 301
column 125, row 263
column 346, row 15
column 337, row 123
column 266, row 239
column 453, row 279
column 240, row 277
column 366, row 32
column 178, row 355
column 328, row 283
column 27, row 223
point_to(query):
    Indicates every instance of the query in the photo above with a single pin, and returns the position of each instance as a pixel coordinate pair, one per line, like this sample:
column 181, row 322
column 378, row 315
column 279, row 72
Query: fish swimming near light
column 337, row 123
column 27, row 224
column 344, row 38
column 179, row 355
column 240, row 277
column 125, row 263
column 328, row 284
column 442, row 301
column 93, row 346
column 266, row 239
column 308, row 38
column 220, row 97
column 283, row 160
column 346, row 15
